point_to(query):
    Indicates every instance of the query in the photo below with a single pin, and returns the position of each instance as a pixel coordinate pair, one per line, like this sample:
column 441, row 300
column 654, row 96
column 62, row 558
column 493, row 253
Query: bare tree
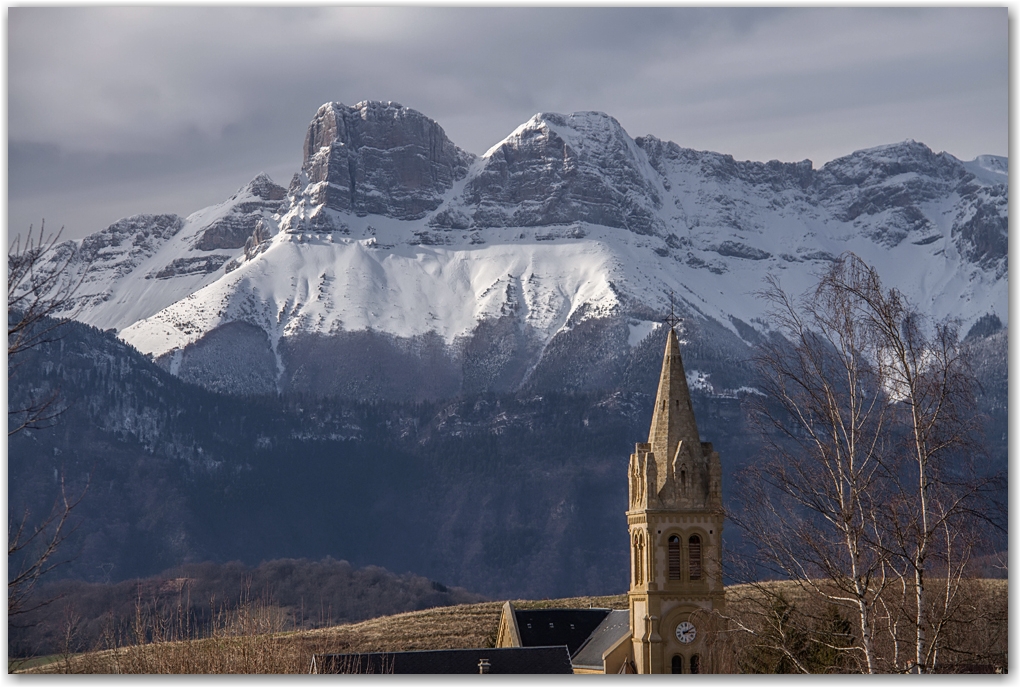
column 862, row 489
column 810, row 501
column 929, row 384
column 40, row 544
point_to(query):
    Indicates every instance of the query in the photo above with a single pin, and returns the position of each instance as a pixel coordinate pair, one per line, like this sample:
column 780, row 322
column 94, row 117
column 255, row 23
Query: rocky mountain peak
column 263, row 187
column 558, row 169
column 578, row 130
column 379, row 158
column 884, row 191
column 995, row 163
column 260, row 198
column 875, row 165
column 991, row 169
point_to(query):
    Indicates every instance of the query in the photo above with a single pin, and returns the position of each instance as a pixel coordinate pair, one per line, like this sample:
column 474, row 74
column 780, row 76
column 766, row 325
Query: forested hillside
column 513, row 495
column 302, row 594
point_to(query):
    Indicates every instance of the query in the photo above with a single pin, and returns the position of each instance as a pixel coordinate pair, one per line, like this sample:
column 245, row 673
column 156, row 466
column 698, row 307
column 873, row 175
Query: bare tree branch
column 40, row 542
column 40, row 299
column 40, row 288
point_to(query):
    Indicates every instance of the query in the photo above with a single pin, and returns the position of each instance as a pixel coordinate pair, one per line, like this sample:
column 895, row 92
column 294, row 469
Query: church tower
column 676, row 519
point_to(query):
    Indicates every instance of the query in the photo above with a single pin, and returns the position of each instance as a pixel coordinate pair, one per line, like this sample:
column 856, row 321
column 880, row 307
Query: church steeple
column 673, row 417
column 676, row 521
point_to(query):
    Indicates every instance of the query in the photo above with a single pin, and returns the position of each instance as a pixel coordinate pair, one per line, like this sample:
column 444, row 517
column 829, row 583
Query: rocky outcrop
column 735, row 249
column 258, row 242
column 119, row 248
column 886, row 188
column 775, row 175
column 113, row 253
column 260, row 198
column 202, row 264
column 379, row 158
column 891, row 185
column 981, row 226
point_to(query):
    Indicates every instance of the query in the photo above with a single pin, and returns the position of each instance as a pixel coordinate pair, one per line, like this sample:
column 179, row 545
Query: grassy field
column 249, row 642
column 237, row 650
column 18, row 665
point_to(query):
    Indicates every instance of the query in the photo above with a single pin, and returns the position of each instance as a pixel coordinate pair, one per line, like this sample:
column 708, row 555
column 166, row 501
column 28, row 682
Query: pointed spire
column 673, row 416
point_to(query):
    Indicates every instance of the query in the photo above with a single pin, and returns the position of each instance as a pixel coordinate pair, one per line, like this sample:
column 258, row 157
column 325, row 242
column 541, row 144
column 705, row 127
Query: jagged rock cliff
column 378, row 158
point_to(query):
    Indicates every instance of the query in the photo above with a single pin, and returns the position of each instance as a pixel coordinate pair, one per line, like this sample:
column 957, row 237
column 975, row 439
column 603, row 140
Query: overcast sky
column 115, row 111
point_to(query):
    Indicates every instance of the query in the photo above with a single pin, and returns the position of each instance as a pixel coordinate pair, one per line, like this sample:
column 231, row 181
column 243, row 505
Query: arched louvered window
column 694, row 556
column 634, row 562
column 695, row 664
column 678, row 665
column 638, row 560
column 674, row 557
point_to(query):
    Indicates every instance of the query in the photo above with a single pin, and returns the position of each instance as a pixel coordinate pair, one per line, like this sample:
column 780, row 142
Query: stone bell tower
column 676, row 520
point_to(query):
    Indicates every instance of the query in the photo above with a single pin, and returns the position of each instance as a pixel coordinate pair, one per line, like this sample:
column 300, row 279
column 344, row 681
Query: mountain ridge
column 390, row 237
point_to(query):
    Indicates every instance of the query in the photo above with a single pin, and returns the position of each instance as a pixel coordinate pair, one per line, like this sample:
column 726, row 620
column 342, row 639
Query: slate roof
column 529, row 660
column 611, row 630
column 556, row 626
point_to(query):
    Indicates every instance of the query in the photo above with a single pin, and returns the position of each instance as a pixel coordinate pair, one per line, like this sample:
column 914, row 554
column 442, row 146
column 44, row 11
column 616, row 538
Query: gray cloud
column 113, row 108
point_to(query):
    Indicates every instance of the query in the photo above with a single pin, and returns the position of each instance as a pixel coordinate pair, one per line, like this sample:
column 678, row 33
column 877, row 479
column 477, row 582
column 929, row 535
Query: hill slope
column 979, row 637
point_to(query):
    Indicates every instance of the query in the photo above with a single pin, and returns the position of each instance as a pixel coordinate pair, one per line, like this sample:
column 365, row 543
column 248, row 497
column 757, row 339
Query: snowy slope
column 565, row 221
column 142, row 264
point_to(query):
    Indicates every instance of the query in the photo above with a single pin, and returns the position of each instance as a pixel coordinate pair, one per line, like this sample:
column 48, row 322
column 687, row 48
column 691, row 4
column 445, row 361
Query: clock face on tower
column 686, row 632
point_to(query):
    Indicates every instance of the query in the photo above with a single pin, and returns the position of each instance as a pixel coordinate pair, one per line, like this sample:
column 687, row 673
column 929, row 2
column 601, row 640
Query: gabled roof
column 529, row 660
column 555, row 626
column 607, row 635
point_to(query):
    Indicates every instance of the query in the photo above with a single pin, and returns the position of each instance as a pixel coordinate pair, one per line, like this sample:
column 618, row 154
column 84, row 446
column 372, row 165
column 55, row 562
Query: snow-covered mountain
column 400, row 266
column 136, row 267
